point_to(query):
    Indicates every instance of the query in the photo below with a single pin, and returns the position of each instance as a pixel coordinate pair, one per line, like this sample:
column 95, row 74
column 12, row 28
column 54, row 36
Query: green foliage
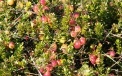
column 41, row 33
column 119, row 46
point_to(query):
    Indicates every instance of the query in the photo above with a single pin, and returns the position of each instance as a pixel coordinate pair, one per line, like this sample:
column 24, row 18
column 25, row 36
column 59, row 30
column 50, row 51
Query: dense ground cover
column 61, row 37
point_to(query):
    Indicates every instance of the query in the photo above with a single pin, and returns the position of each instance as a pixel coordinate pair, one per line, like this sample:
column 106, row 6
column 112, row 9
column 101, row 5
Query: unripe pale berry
column 10, row 2
column 11, row 45
column 77, row 28
column 73, row 34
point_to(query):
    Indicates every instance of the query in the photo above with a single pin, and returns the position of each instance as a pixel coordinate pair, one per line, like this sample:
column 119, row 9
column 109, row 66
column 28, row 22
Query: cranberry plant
column 61, row 37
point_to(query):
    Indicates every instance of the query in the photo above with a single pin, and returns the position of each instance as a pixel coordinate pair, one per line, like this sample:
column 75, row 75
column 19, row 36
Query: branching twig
column 113, row 60
column 16, row 20
column 116, row 63
column 108, row 34
column 117, row 35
